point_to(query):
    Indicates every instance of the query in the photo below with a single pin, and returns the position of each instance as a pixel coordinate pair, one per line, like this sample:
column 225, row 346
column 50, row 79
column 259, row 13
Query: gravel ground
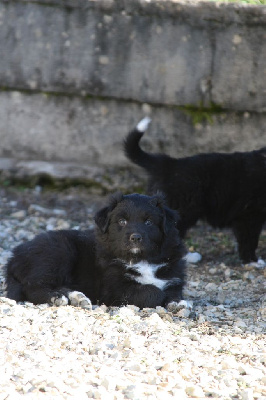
column 215, row 351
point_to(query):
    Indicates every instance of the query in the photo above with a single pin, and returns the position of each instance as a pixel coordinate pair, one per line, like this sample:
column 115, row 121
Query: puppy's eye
column 148, row 222
column 122, row 222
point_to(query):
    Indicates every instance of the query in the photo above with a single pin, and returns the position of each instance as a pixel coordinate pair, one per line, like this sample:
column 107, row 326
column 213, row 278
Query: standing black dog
column 134, row 256
column 225, row 190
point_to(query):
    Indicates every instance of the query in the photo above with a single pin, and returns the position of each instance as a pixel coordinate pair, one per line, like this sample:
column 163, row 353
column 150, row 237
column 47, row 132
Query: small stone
column 193, row 258
column 185, row 313
column 62, row 225
column 59, row 212
column 166, row 367
column 179, row 394
column 167, row 317
column 133, row 308
column 156, row 321
column 263, row 380
column 109, row 383
column 227, row 274
column 132, row 392
column 127, row 342
column 194, row 391
column 160, row 310
column 213, row 271
column 103, row 308
column 240, row 323
column 246, row 394
column 21, row 214
column 248, row 276
column 229, row 363
column 211, row 287
column 194, row 284
column 201, row 319
column 194, row 337
column 132, row 367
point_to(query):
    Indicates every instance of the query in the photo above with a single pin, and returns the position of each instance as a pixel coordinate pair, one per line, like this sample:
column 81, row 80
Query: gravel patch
column 215, row 351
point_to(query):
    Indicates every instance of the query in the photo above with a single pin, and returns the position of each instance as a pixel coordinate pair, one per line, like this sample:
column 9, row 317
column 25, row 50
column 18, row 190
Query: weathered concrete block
column 91, row 131
column 239, row 69
column 161, row 52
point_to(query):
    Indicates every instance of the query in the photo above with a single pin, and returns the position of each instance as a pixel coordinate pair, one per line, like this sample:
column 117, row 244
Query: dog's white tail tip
column 143, row 124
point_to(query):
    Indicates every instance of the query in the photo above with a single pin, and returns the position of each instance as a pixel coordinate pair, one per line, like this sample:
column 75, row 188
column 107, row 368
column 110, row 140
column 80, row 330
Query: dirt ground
column 220, row 263
column 217, row 246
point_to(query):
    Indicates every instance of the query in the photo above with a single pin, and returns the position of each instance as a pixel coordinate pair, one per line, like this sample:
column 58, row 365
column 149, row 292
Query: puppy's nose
column 135, row 237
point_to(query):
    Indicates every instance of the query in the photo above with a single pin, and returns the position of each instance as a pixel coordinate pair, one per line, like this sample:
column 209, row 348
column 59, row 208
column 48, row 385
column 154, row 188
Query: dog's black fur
column 225, row 190
column 108, row 265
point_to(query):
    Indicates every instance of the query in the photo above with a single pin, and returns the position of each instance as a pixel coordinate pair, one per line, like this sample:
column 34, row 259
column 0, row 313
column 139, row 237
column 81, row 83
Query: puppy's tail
column 132, row 148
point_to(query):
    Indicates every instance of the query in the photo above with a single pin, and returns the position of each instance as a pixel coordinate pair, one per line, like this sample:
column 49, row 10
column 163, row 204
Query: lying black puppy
column 134, row 256
column 225, row 190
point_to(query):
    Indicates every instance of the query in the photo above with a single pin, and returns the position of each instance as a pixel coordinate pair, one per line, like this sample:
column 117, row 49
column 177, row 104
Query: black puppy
column 225, row 190
column 134, row 256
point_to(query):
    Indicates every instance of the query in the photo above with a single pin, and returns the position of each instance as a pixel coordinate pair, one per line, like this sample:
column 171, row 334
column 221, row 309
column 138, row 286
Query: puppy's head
column 136, row 227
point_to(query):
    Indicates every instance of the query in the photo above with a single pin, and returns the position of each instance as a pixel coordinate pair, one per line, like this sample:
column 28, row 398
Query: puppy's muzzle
column 135, row 238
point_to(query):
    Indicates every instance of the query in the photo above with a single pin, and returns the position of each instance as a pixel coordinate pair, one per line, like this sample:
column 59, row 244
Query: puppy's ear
column 102, row 217
column 171, row 219
column 158, row 200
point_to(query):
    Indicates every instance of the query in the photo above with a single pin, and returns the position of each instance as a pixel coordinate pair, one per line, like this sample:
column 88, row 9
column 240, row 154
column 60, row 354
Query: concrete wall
column 75, row 75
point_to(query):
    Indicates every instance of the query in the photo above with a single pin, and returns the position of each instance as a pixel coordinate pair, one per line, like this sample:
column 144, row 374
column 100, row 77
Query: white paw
column 260, row 264
column 143, row 124
column 59, row 301
column 175, row 307
column 78, row 299
column 193, row 258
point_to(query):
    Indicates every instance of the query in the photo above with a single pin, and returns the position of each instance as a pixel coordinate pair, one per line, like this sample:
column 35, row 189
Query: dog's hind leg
column 14, row 289
column 247, row 232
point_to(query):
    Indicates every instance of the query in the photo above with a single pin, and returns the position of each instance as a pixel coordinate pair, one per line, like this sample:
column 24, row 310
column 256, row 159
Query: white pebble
column 194, row 391
column 246, row 394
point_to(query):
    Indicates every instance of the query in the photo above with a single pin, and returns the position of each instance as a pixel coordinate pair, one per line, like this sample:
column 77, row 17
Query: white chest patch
column 147, row 274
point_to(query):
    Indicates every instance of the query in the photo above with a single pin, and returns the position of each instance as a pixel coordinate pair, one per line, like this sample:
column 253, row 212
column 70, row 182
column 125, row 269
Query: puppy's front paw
column 78, row 299
column 59, row 300
column 183, row 305
column 193, row 258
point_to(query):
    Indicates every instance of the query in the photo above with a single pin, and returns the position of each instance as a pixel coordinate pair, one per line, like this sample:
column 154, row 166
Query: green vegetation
column 201, row 113
column 48, row 182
